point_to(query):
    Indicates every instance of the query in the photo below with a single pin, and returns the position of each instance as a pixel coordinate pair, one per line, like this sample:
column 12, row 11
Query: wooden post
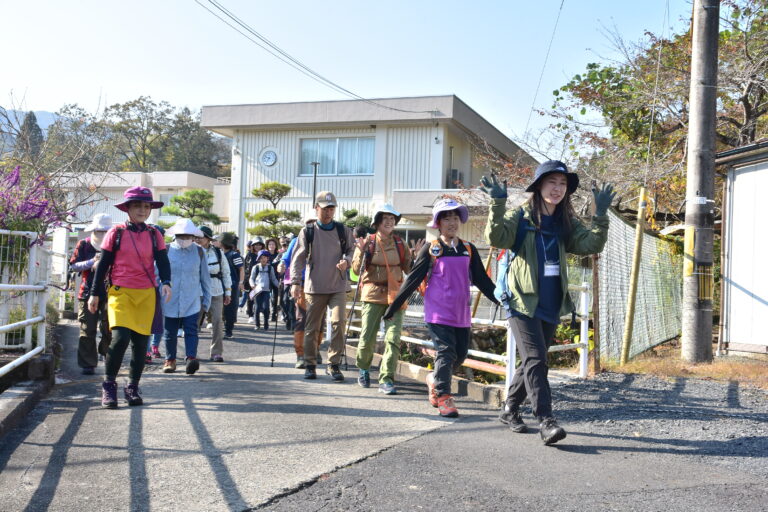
column 629, row 318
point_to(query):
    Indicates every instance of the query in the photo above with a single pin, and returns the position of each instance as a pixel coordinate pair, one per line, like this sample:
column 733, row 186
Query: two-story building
column 407, row 151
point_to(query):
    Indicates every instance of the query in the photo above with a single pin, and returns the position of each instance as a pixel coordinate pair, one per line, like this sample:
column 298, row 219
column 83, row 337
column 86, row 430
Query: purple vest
column 446, row 300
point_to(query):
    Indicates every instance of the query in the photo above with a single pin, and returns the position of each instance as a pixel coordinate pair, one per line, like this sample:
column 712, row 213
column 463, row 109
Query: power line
column 543, row 67
column 655, row 93
column 273, row 49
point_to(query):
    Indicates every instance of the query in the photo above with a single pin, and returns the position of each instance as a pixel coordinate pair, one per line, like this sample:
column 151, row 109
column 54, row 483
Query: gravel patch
column 724, row 423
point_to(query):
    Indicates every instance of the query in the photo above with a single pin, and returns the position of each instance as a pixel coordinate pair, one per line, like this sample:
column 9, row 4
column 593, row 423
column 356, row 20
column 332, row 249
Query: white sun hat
column 100, row 222
column 384, row 208
column 184, row 227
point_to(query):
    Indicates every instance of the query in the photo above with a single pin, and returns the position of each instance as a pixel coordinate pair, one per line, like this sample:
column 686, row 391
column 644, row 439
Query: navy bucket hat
column 552, row 166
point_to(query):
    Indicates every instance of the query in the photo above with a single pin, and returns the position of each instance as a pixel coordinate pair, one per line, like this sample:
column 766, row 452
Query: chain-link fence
column 659, row 291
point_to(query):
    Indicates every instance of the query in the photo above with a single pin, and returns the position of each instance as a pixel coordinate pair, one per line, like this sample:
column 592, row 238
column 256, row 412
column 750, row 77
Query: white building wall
column 404, row 158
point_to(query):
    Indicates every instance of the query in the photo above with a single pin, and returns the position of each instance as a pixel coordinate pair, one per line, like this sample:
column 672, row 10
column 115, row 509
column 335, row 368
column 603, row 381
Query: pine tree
column 30, row 140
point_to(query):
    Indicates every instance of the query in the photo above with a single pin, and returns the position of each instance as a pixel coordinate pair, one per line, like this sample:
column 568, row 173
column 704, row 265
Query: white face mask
column 96, row 238
column 184, row 243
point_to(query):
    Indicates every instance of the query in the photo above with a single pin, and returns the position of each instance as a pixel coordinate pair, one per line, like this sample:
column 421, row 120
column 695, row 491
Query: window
column 337, row 157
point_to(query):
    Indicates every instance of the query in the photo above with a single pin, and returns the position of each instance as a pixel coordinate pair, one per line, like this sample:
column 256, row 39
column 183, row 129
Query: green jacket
column 523, row 276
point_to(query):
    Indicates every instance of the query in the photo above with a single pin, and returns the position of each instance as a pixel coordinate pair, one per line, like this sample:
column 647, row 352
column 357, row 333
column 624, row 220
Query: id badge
column 551, row 270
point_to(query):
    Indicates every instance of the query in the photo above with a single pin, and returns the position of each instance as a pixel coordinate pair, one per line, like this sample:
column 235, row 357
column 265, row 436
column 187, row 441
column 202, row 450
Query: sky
column 488, row 53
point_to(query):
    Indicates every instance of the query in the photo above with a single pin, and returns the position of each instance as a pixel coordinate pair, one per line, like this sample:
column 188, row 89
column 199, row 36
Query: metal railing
column 583, row 315
column 22, row 259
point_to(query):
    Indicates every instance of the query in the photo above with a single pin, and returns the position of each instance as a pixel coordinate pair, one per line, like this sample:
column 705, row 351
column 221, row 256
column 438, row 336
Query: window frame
column 336, row 156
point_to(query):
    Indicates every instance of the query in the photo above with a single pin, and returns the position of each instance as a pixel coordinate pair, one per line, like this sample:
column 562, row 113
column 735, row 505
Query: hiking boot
column 446, row 407
column 364, row 379
column 550, row 431
column 169, row 366
column 193, row 364
column 511, row 415
column 300, row 364
column 431, row 393
column 109, row 394
column 335, row 373
column 309, row 372
column 387, row 388
column 89, row 370
column 156, row 352
column 132, row 395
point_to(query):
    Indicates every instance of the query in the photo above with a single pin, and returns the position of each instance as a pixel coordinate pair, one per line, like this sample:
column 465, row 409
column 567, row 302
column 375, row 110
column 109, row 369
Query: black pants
column 451, row 344
column 87, row 351
column 230, row 312
column 121, row 338
column 532, row 338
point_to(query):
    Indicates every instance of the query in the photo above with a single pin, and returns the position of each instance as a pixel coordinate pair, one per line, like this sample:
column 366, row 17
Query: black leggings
column 121, row 337
column 532, row 338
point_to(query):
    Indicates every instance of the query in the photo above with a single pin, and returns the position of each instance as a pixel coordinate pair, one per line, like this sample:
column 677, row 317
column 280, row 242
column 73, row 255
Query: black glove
column 493, row 188
column 603, row 198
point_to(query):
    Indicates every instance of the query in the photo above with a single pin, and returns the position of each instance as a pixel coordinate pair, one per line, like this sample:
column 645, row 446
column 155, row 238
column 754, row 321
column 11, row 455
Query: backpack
column 339, row 229
column 370, row 249
column 433, row 257
column 218, row 258
column 505, row 260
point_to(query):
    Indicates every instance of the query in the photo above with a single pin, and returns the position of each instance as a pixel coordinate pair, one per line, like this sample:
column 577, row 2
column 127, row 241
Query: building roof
column 226, row 119
column 743, row 154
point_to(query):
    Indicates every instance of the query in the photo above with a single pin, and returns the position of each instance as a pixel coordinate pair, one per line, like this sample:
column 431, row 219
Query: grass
column 664, row 361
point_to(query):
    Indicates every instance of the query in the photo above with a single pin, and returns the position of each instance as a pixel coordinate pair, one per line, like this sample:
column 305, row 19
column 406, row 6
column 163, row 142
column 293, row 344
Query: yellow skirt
column 132, row 308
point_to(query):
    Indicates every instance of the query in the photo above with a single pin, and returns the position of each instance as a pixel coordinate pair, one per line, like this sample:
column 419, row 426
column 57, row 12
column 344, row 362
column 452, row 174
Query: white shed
column 744, row 303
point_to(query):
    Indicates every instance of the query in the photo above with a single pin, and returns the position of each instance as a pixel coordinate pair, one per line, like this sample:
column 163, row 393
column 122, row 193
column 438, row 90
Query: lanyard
column 548, row 246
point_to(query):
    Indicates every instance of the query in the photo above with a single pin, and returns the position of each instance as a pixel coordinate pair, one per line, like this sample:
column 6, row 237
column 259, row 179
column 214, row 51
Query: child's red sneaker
column 446, row 407
column 431, row 389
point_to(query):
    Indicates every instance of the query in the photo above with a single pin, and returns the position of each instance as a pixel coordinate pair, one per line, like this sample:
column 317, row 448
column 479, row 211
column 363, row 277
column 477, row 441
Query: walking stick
column 274, row 342
column 352, row 311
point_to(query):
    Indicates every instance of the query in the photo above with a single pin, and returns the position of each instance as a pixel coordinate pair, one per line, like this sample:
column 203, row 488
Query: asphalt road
column 245, row 435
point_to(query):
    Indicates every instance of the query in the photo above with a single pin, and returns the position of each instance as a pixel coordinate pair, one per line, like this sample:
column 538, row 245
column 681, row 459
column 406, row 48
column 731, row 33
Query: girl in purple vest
column 451, row 266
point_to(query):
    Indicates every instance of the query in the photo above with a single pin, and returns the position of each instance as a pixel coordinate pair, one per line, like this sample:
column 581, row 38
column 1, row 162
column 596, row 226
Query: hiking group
column 134, row 287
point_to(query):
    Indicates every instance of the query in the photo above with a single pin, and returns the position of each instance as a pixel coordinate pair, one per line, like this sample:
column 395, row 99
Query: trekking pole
column 352, row 311
column 274, row 342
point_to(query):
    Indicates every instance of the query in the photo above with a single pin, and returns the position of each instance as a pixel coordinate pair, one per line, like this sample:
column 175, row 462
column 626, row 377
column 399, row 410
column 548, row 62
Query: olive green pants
column 393, row 327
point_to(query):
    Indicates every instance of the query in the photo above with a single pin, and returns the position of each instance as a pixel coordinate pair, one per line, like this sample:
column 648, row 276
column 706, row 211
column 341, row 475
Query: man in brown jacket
column 324, row 249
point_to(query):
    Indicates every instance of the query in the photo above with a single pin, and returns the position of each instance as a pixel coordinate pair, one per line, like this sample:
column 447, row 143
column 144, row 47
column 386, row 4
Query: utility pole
column 699, row 208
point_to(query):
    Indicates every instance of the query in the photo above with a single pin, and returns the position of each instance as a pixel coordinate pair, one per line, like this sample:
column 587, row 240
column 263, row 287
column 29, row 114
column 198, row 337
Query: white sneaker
column 209, row 325
column 250, row 320
column 180, row 334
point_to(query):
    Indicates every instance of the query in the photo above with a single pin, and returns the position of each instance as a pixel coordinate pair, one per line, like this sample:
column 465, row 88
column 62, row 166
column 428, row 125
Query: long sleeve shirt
column 322, row 276
column 421, row 267
column 190, row 281
column 82, row 261
column 262, row 276
column 221, row 277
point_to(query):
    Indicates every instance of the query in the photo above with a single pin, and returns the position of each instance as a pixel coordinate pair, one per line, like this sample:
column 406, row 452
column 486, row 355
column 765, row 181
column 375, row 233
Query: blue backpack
column 502, row 286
